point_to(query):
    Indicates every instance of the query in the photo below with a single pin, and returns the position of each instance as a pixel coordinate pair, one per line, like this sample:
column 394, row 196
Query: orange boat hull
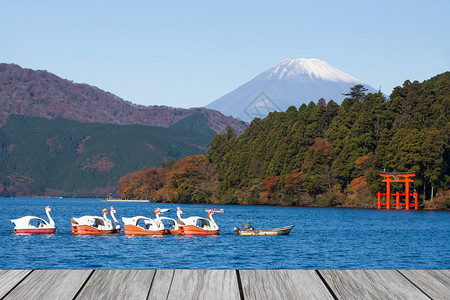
column 194, row 230
column 85, row 230
column 178, row 232
column 134, row 230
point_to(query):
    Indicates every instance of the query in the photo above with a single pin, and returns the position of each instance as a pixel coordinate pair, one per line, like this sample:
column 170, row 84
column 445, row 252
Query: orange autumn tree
column 362, row 166
column 269, row 188
column 142, row 184
column 359, row 184
column 189, row 180
column 128, row 184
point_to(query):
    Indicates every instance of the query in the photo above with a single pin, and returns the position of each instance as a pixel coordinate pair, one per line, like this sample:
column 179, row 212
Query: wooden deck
column 225, row 284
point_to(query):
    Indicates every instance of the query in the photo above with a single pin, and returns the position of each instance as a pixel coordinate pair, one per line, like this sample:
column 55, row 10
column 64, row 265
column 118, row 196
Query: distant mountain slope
column 292, row 82
column 61, row 157
column 43, row 94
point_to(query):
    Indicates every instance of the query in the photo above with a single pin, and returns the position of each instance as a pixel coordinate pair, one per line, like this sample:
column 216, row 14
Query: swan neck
column 157, row 217
column 211, row 218
column 114, row 218
column 50, row 220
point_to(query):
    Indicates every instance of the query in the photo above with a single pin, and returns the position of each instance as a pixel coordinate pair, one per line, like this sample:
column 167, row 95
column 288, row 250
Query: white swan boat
column 141, row 225
column 25, row 224
column 199, row 225
column 95, row 225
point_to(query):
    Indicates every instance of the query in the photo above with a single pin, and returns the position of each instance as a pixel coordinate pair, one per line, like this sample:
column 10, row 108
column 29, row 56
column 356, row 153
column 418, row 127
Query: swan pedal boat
column 22, row 225
column 199, row 225
column 132, row 226
column 275, row 231
column 93, row 225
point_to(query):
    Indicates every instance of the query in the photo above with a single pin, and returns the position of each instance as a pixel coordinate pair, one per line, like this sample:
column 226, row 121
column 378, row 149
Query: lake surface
column 323, row 238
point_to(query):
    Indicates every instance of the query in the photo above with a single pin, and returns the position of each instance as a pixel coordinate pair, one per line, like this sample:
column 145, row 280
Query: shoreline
column 374, row 207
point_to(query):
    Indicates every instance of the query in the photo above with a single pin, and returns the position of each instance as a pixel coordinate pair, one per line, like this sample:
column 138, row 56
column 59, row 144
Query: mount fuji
column 291, row 82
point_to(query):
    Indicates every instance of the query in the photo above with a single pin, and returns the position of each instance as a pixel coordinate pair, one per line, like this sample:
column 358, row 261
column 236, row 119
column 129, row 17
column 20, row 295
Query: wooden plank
column 371, row 284
column 118, row 284
column 9, row 279
column 161, row 284
column 434, row 283
column 223, row 284
column 50, row 284
column 283, row 284
column 204, row 284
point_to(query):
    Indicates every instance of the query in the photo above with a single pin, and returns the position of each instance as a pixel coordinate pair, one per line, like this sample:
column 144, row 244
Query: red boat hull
column 134, row 230
column 86, row 230
column 36, row 230
column 194, row 230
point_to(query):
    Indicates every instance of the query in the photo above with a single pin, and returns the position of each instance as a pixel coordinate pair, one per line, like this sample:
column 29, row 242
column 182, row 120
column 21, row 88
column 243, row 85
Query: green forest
column 61, row 157
column 320, row 154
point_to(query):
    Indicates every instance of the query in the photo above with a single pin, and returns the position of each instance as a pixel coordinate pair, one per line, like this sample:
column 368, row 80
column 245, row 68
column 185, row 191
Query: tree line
column 320, row 154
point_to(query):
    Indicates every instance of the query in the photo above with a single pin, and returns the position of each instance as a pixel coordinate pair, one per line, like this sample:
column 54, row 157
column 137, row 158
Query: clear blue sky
column 189, row 53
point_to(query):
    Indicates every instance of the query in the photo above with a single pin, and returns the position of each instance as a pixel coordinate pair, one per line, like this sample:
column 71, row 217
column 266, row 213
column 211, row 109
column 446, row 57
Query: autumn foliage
column 189, row 180
column 358, row 184
column 269, row 188
column 43, row 94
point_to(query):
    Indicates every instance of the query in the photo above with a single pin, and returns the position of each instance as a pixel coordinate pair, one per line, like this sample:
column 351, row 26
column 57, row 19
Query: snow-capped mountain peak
column 291, row 82
column 311, row 67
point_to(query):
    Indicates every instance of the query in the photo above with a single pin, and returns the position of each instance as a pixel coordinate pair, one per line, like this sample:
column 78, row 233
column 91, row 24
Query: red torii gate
column 397, row 177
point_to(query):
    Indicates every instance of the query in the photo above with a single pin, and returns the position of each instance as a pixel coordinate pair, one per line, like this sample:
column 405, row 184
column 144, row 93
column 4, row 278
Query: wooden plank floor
column 224, row 284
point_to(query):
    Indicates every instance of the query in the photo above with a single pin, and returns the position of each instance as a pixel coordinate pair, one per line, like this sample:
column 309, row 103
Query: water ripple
column 322, row 238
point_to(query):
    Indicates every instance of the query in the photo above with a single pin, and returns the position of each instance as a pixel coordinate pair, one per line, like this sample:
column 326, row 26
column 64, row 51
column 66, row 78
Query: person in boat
column 247, row 226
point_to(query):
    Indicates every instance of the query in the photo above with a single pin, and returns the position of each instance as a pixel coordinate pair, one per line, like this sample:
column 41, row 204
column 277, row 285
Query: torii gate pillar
column 398, row 177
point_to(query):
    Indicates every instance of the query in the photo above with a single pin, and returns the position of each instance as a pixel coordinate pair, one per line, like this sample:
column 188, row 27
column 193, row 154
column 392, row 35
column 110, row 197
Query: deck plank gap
column 241, row 290
column 151, row 285
column 83, row 285
column 415, row 285
column 17, row 284
column 170, row 286
column 326, row 285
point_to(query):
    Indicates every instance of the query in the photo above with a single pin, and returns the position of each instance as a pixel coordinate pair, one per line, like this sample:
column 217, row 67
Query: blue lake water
column 323, row 238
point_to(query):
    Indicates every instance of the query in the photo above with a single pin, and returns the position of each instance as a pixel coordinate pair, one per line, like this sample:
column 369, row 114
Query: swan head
column 214, row 211
column 113, row 210
column 104, row 211
column 47, row 208
column 180, row 211
column 158, row 211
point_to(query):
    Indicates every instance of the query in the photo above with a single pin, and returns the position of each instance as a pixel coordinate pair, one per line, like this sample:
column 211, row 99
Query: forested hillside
column 320, row 154
column 43, row 94
column 61, row 157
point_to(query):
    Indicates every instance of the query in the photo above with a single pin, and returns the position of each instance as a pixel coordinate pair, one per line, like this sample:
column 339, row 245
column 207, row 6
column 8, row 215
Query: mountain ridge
column 43, row 94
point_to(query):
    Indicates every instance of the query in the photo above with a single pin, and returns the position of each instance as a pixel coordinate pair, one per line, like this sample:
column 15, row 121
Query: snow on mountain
column 313, row 68
column 291, row 82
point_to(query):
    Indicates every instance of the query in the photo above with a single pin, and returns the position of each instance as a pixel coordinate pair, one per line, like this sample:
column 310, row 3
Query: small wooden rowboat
column 276, row 231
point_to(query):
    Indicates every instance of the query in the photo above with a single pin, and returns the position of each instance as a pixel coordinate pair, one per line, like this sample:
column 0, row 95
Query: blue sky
column 189, row 53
